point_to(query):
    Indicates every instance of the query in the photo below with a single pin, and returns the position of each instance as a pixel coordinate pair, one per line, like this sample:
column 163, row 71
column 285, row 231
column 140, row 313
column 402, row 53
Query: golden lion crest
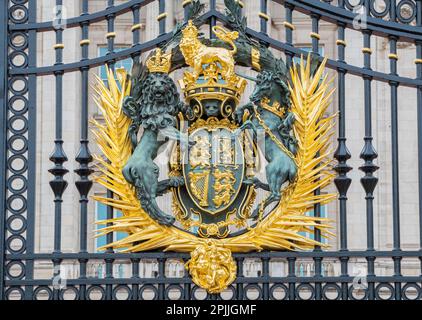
column 198, row 54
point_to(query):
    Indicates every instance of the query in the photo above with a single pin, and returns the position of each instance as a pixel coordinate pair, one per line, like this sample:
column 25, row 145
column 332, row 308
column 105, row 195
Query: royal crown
column 190, row 31
column 211, row 85
column 159, row 62
column 275, row 108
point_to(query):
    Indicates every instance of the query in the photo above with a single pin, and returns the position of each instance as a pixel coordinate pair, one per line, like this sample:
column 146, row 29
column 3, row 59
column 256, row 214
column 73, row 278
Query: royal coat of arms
column 220, row 203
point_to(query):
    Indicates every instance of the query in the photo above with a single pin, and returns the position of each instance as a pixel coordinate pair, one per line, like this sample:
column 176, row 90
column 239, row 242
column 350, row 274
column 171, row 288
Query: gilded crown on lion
column 159, row 62
column 190, row 30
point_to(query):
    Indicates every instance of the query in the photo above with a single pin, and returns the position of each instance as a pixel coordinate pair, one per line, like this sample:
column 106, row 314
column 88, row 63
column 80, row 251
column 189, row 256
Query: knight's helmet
column 213, row 92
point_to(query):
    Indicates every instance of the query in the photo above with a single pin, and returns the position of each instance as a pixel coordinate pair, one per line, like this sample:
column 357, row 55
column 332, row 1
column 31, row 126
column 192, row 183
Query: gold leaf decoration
column 212, row 267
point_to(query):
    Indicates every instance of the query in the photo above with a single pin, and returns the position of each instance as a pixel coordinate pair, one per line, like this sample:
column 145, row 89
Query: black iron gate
column 397, row 21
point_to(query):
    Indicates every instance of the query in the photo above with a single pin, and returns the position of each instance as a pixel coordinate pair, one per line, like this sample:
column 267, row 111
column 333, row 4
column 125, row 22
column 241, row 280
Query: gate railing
column 18, row 94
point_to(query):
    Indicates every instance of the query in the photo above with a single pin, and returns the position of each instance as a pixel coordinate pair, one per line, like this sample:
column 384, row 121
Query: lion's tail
column 226, row 36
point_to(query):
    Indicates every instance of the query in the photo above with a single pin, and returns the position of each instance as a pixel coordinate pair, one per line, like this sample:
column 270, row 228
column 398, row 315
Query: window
column 311, row 214
column 126, row 63
column 296, row 59
column 101, row 214
column 195, row 217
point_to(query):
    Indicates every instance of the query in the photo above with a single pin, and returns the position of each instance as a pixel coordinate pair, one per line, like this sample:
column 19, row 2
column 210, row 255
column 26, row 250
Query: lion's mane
column 146, row 111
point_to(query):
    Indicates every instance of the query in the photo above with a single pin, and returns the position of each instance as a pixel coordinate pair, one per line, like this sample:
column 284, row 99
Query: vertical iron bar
column 110, row 212
column 58, row 157
column 3, row 135
column 213, row 296
column 317, row 207
column 162, row 17
column 418, row 62
column 161, row 277
column 395, row 163
column 342, row 154
column 368, row 154
column 136, row 30
column 289, row 33
column 315, row 50
column 291, row 274
column 393, row 7
column 239, row 286
column 213, row 20
column 264, row 18
column 265, row 278
column 84, row 156
column 135, row 276
column 110, row 32
column 136, row 27
column 187, row 286
column 315, row 33
column 32, row 131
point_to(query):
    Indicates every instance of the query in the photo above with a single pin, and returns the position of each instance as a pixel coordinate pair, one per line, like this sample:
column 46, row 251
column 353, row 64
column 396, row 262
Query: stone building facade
column 356, row 217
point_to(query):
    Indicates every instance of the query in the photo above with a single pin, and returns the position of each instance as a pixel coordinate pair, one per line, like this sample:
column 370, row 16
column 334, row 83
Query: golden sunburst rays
column 114, row 145
column 285, row 228
column 311, row 96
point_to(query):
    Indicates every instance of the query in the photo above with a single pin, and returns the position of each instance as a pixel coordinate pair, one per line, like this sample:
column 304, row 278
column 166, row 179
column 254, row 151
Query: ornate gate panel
column 286, row 275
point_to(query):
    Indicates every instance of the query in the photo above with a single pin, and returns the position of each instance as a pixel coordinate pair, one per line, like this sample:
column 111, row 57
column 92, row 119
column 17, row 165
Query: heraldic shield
column 221, row 202
column 213, row 169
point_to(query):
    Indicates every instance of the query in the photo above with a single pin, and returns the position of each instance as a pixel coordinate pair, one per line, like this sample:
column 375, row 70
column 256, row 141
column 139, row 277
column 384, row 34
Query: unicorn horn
column 246, row 77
